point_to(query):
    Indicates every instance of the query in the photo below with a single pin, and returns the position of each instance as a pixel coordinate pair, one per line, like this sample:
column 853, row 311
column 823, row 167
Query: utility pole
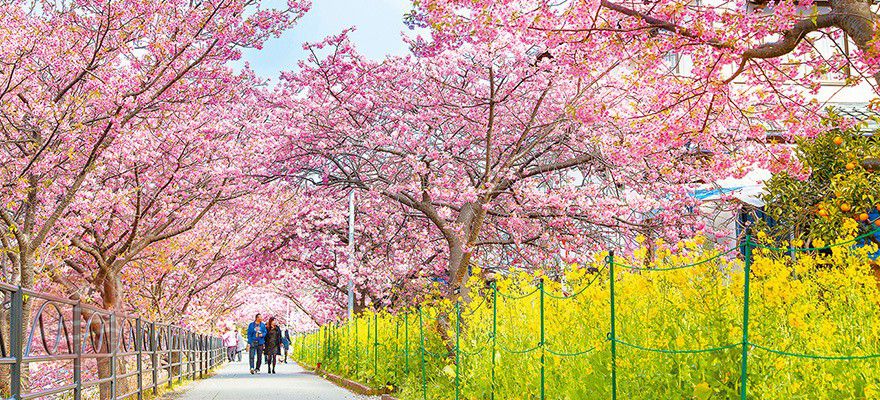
column 351, row 256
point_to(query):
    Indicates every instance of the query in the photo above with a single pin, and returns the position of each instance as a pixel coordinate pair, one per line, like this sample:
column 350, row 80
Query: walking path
column 234, row 382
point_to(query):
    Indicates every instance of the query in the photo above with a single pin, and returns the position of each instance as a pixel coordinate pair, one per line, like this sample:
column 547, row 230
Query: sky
column 378, row 22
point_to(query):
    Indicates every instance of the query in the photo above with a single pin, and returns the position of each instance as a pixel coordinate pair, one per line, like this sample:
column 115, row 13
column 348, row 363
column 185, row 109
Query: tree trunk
column 857, row 20
column 108, row 285
column 27, row 281
column 460, row 248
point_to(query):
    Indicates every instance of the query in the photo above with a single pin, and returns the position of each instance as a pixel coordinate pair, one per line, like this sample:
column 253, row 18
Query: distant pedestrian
column 273, row 344
column 256, row 340
column 230, row 341
column 242, row 346
column 286, row 342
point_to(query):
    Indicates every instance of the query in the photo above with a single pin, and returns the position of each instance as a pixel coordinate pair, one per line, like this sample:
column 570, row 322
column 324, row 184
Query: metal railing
column 73, row 348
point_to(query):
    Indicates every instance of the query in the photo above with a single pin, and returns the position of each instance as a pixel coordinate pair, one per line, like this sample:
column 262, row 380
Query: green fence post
column 357, row 349
column 376, row 346
column 367, row 346
column 457, row 347
column 422, row 351
column 348, row 358
column 494, row 335
column 744, row 374
column 406, row 342
column 541, row 294
column 613, row 334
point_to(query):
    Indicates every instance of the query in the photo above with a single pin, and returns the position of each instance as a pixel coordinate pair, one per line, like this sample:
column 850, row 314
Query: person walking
column 230, row 341
column 273, row 344
column 242, row 346
column 256, row 340
column 286, row 342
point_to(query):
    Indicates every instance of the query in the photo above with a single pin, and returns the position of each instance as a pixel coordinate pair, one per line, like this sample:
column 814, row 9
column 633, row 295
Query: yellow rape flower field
column 813, row 331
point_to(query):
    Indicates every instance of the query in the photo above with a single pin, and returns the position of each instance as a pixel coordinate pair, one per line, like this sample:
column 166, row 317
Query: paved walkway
column 234, row 382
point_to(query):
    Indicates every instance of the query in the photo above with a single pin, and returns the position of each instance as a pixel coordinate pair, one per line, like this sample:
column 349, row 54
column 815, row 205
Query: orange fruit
column 838, row 140
column 850, row 166
column 845, row 207
column 823, row 213
column 877, row 222
column 863, row 217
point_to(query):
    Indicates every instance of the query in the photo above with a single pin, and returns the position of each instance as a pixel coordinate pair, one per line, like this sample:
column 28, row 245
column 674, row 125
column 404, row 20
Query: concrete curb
column 349, row 384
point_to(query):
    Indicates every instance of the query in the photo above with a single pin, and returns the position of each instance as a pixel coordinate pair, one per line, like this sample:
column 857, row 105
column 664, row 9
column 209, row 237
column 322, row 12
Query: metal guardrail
column 136, row 356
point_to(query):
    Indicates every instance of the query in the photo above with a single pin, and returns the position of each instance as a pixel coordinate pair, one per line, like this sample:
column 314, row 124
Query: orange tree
column 841, row 192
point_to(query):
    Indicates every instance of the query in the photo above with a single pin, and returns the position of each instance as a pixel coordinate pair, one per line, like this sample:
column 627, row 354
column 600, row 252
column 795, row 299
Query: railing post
column 202, row 356
column 186, row 348
column 193, row 355
column 207, row 348
column 77, row 350
column 113, row 348
column 169, row 343
column 206, row 355
column 181, row 342
column 154, row 357
column 139, row 344
column 16, row 327
column 612, row 336
column 744, row 373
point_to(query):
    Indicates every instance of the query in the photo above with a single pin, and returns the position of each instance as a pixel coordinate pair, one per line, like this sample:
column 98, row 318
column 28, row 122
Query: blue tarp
column 873, row 215
column 703, row 194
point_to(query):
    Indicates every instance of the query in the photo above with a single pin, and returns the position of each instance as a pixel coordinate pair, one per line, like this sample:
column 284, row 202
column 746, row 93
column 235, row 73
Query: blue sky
column 378, row 23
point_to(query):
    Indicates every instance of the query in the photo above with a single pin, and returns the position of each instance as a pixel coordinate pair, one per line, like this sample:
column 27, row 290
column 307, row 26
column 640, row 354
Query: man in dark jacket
column 256, row 336
column 286, row 342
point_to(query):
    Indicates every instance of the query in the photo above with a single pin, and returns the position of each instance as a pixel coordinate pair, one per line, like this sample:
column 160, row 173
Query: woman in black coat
column 273, row 344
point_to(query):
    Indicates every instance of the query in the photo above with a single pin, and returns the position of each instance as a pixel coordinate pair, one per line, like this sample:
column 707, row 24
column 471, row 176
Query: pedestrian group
column 267, row 340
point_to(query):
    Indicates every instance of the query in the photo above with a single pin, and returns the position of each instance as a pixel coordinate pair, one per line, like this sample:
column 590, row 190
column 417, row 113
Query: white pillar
column 351, row 255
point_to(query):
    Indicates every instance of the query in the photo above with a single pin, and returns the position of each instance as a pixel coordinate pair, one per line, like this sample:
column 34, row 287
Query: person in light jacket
column 230, row 342
column 242, row 346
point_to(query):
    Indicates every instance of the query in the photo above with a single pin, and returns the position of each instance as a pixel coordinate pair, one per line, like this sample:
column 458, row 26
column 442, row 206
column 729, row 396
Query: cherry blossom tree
column 154, row 186
column 84, row 82
column 108, row 68
column 307, row 256
column 499, row 154
column 189, row 280
column 763, row 60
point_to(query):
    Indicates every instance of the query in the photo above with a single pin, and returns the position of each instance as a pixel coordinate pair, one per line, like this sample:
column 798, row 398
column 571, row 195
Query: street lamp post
column 351, row 256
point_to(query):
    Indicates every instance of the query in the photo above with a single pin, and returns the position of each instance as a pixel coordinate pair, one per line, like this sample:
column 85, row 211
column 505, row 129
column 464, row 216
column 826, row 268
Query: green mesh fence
column 370, row 360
